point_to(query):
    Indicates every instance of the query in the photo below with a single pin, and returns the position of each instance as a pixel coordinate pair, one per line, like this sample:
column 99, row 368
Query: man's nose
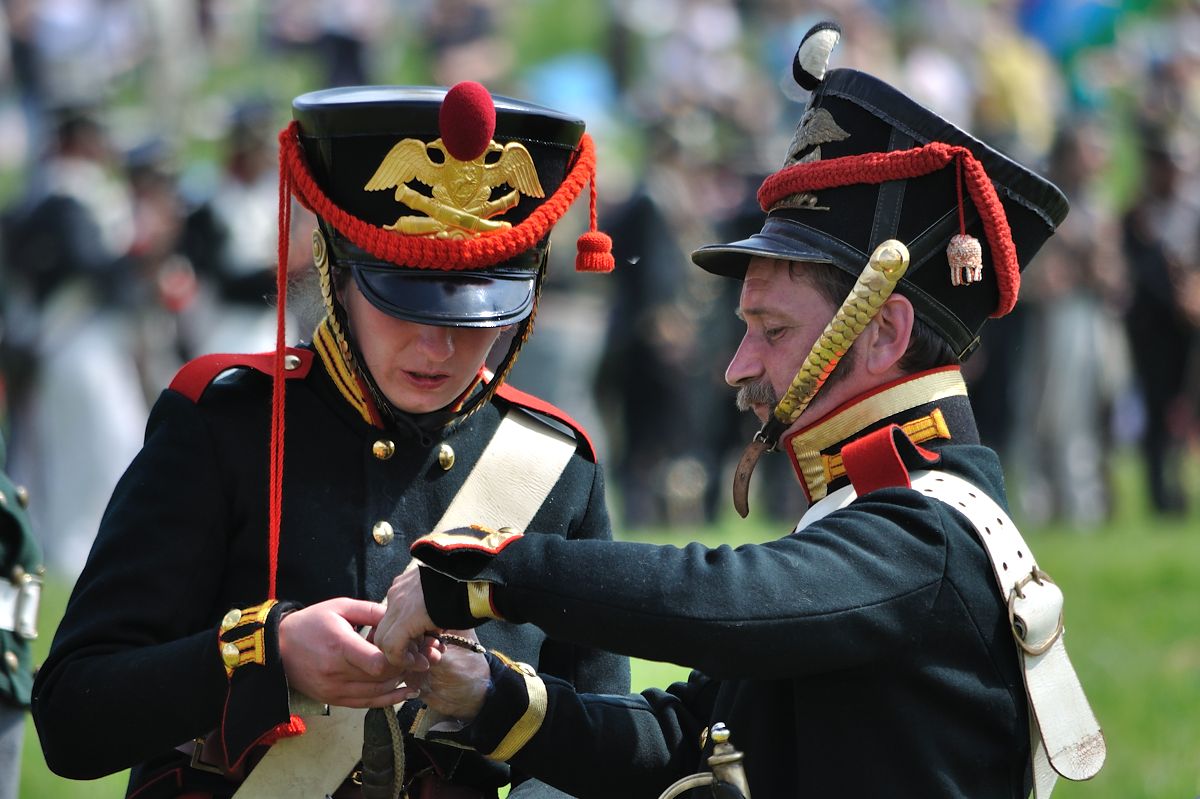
column 746, row 365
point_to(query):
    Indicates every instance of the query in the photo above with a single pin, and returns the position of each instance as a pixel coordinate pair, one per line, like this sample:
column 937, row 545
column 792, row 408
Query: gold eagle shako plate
column 395, row 158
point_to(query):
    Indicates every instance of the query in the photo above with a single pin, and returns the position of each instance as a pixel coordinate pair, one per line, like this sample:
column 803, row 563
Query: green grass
column 1132, row 588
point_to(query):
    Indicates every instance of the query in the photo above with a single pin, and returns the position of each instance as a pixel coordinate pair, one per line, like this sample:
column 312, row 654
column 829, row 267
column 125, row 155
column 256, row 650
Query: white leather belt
column 19, row 600
column 1065, row 736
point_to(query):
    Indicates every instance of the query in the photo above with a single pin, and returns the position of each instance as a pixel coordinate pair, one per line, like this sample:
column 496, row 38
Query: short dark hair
column 926, row 349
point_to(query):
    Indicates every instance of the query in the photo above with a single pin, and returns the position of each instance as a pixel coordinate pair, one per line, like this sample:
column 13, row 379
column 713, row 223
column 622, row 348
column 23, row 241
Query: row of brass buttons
column 384, row 449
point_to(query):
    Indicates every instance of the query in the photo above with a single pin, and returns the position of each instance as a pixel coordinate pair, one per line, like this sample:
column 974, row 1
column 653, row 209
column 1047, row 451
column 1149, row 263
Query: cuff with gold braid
column 457, row 604
column 452, row 560
column 257, row 710
column 512, row 714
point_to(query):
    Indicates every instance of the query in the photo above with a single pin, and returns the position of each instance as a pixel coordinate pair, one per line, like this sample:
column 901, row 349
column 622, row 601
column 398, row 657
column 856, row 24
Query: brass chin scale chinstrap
column 879, row 277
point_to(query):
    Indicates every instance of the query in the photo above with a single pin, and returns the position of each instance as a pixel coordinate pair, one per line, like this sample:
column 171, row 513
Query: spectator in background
column 1068, row 382
column 231, row 236
column 20, row 579
column 81, row 414
column 1160, row 237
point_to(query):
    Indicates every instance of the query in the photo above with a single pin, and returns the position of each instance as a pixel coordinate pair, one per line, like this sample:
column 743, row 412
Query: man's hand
column 328, row 661
column 457, row 681
column 401, row 632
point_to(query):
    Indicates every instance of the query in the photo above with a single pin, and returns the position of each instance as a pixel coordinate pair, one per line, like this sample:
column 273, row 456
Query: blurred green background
column 1132, row 583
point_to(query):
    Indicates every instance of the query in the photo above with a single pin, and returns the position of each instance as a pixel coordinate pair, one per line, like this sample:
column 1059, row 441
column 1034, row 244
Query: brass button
column 509, row 530
column 231, row 620
column 703, row 738
column 231, row 655
column 382, row 533
column 291, row 362
column 23, row 496
column 10, row 660
column 18, row 575
column 445, row 457
column 383, row 449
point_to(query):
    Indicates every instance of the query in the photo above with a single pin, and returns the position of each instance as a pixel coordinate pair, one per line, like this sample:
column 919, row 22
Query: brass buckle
column 1036, row 575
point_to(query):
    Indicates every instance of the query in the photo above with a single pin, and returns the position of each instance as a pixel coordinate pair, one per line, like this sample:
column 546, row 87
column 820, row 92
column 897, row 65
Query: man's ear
column 888, row 335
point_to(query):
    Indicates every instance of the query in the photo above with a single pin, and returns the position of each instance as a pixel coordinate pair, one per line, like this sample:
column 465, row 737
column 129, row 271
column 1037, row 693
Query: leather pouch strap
column 1065, row 736
column 1070, row 735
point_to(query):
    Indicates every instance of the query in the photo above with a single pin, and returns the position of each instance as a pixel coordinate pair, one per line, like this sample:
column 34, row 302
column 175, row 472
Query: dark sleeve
column 135, row 666
column 588, row 669
column 589, row 745
column 840, row 593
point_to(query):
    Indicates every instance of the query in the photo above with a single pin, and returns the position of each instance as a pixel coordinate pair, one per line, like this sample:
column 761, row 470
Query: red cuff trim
column 493, row 543
column 292, row 727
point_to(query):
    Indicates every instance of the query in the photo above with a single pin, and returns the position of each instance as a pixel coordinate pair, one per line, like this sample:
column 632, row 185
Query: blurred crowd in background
column 139, row 186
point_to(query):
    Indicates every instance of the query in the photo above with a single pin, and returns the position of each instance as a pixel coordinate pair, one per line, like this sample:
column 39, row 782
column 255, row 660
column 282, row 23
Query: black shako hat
column 869, row 164
column 428, row 189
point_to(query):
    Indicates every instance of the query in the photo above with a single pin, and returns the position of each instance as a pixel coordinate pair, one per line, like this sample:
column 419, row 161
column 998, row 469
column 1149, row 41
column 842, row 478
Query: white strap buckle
column 1026, row 624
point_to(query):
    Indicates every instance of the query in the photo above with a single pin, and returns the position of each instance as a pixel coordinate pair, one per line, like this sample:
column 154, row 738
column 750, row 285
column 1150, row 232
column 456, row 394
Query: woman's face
column 419, row 368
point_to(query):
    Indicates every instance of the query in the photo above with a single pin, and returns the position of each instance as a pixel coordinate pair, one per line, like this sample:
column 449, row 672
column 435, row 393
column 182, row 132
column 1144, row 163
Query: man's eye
column 774, row 333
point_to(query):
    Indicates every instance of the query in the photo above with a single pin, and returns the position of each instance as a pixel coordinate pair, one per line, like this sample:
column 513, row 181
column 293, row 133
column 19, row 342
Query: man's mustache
column 757, row 393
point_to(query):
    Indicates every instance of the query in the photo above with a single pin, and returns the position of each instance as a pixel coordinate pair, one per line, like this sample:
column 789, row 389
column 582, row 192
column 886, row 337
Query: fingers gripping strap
column 1066, row 737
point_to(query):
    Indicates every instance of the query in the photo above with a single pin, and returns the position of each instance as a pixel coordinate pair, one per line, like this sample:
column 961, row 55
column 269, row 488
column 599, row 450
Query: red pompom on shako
column 467, row 120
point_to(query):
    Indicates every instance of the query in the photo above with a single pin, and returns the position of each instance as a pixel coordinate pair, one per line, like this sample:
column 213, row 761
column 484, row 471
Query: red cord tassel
column 594, row 249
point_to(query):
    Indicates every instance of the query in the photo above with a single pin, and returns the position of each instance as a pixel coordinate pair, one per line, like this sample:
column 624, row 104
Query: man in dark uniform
column 871, row 652
column 220, row 608
column 21, row 573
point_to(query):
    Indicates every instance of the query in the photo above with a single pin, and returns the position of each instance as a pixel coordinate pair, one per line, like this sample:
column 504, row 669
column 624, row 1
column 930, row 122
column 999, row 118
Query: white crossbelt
column 19, row 605
column 506, row 487
column 1064, row 734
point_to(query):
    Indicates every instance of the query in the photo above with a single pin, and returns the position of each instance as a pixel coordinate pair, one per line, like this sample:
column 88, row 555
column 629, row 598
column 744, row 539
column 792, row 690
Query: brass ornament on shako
column 966, row 259
column 469, row 167
column 816, row 127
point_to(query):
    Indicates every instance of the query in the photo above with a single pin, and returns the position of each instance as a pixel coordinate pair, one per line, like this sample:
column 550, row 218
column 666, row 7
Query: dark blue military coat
column 135, row 668
column 866, row 655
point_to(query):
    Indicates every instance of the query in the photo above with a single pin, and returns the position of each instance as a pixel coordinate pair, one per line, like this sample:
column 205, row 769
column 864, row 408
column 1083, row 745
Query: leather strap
column 1065, row 737
column 506, row 487
column 19, row 601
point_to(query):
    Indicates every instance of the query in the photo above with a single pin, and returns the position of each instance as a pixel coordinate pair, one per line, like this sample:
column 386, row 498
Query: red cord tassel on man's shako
column 875, row 168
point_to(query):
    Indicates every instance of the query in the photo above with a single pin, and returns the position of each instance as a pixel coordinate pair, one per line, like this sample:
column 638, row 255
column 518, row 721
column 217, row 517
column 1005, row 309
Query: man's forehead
column 766, row 279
